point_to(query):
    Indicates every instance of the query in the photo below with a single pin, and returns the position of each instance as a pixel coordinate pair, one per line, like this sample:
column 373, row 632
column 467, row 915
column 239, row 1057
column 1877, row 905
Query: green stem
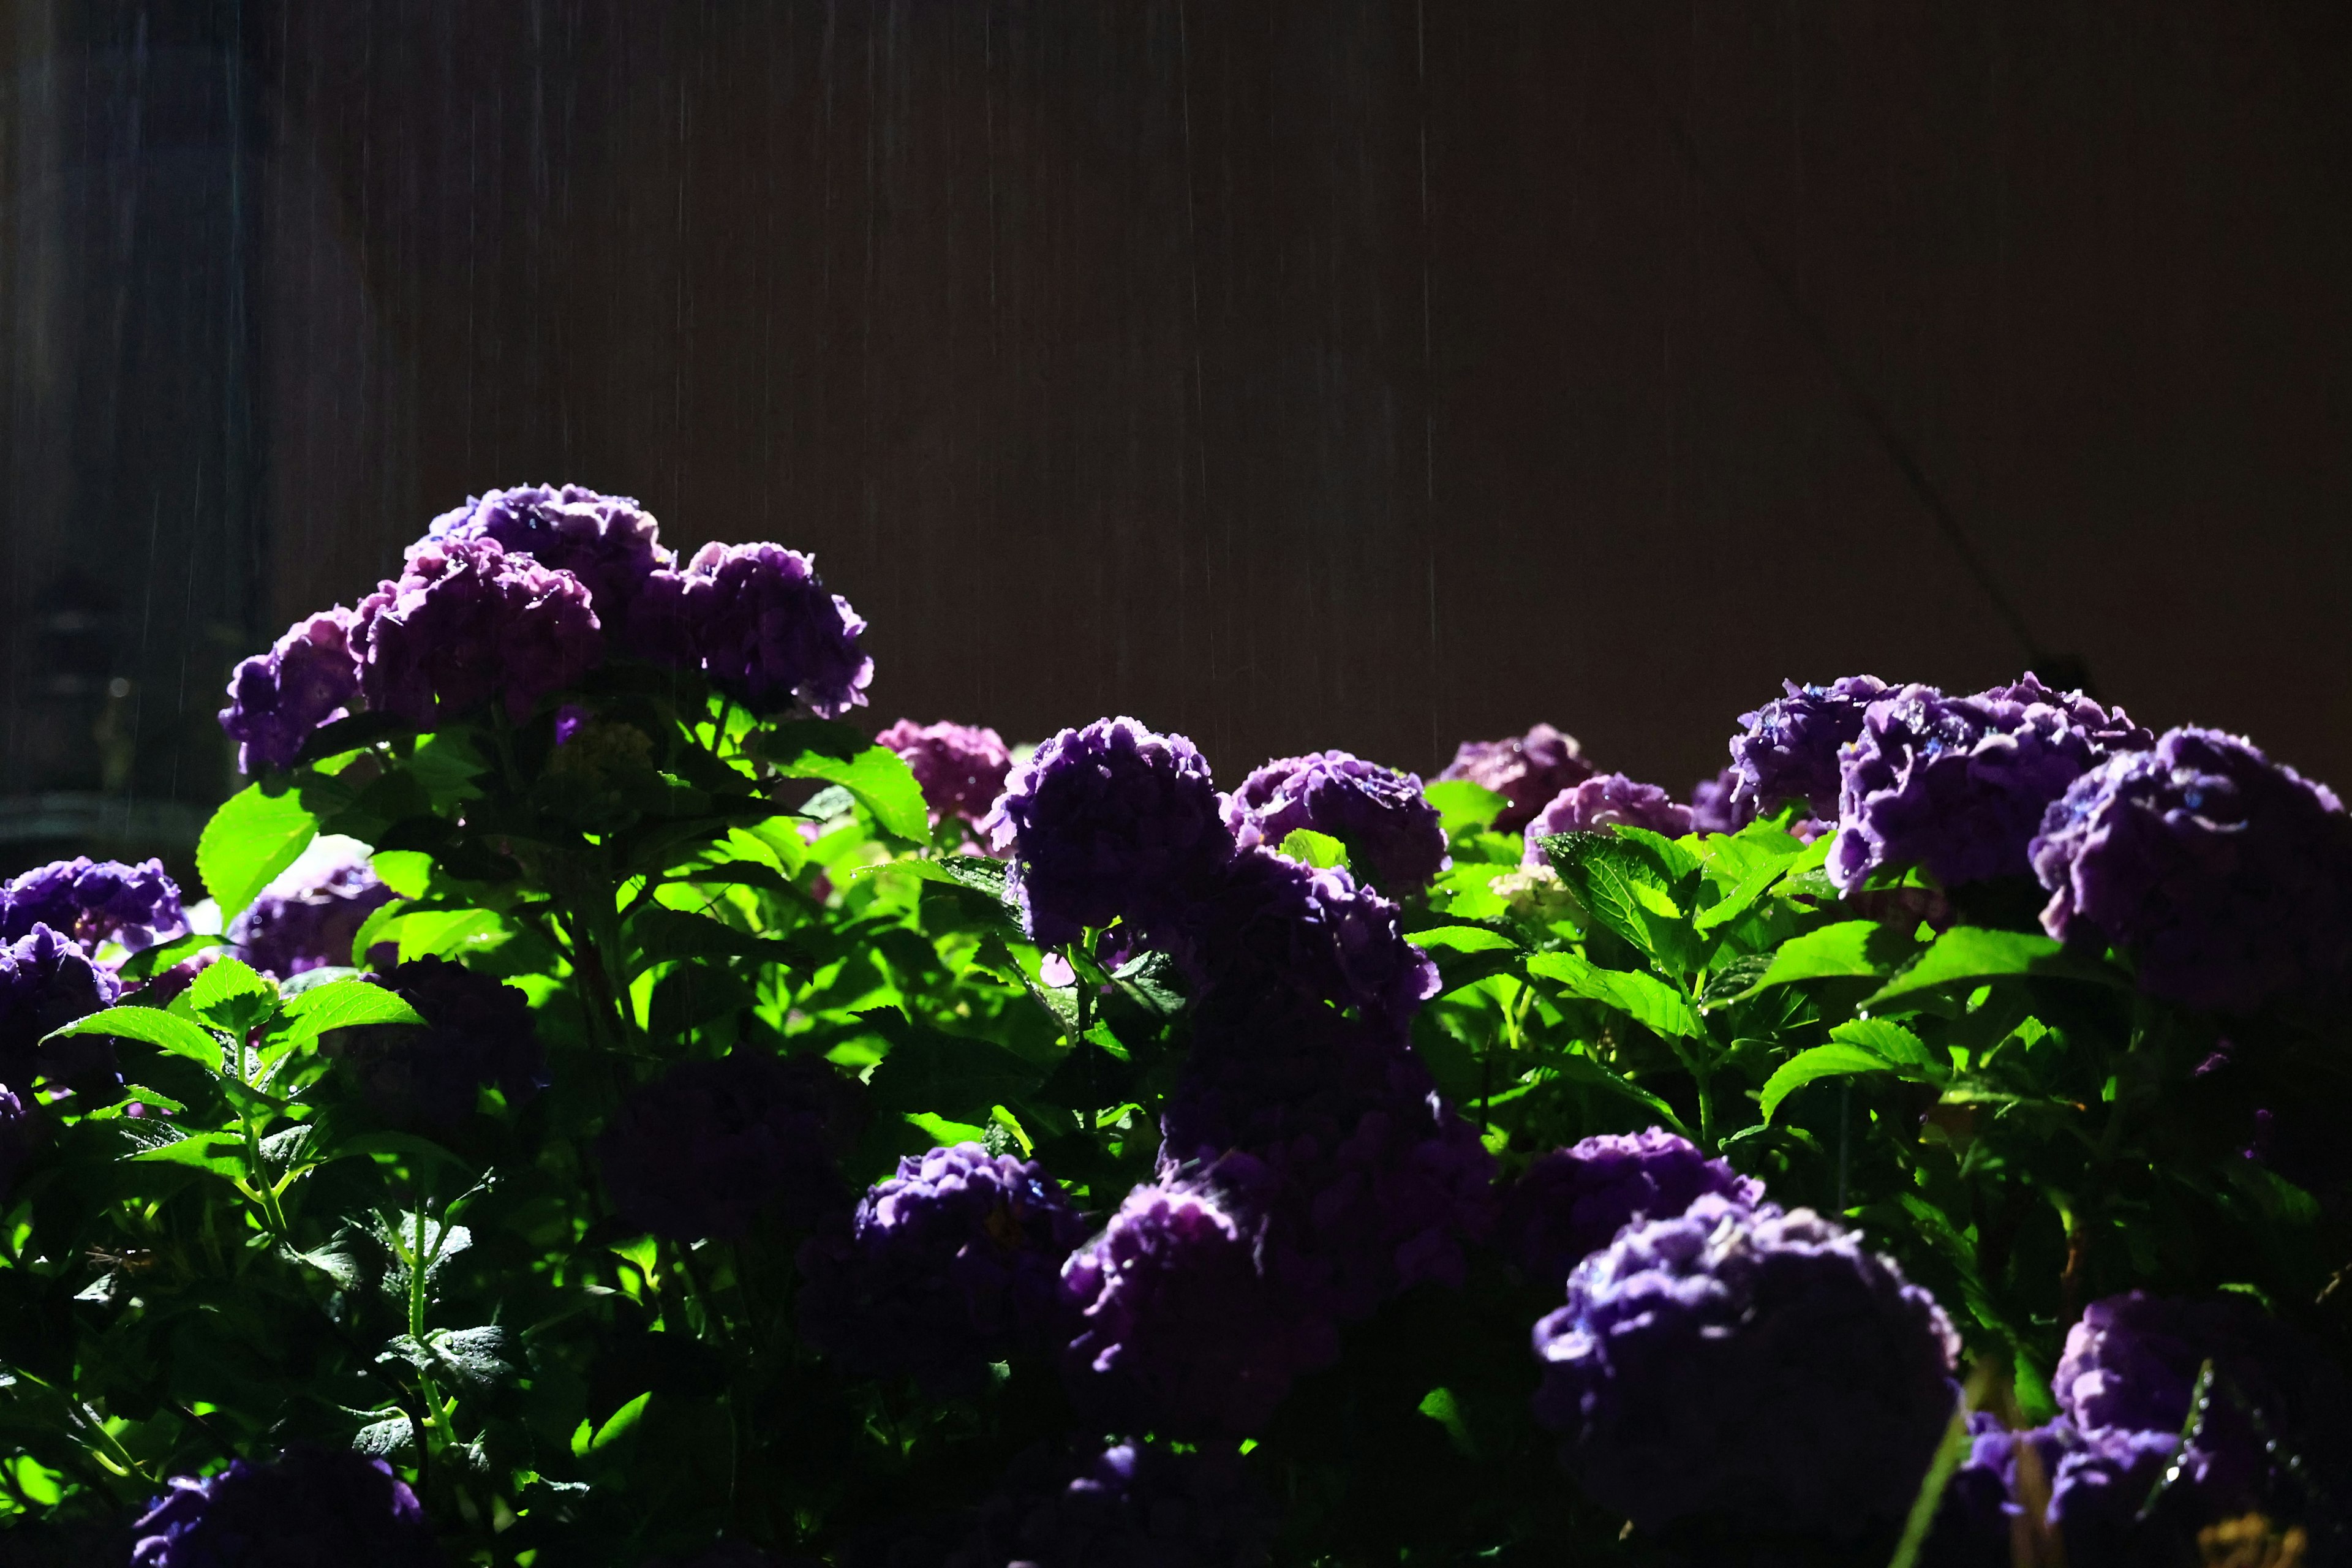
column 264, row 1192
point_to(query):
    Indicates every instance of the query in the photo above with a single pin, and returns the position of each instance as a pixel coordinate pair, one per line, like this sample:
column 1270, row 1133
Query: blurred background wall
column 1292, row 373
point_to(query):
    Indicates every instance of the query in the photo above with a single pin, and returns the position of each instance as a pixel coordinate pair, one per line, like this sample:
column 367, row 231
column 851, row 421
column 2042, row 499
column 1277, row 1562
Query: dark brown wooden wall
column 1360, row 373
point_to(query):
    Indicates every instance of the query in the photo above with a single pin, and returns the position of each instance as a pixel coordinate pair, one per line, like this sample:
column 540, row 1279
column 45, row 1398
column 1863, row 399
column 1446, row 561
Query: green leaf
column 617, row 1425
column 344, row 1004
column 1462, row 807
column 1630, row 885
column 1320, row 850
column 152, row 1025
column 1589, row 1074
column 1758, row 880
column 407, row 872
column 229, row 995
column 734, row 874
column 147, row 961
column 1975, row 953
column 1821, row 1061
column 1462, row 939
column 1892, row 1041
column 947, row 1075
column 665, row 934
column 1863, row 948
column 876, row 775
column 1649, row 1001
column 254, row 835
column 222, row 1154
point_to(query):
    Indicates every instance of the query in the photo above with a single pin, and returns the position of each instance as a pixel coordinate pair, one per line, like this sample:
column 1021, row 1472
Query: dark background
column 1291, row 373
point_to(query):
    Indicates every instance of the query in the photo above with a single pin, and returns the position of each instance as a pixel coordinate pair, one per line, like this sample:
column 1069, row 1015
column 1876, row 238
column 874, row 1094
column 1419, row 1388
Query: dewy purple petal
column 1525, row 769
column 1753, row 1367
column 1111, row 822
column 952, row 1263
column 94, row 902
column 467, row 622
column 310, row 678
column 480, row 1031
column 2226, row 877
column 962, row 768
column 609, row 542
column 1789, row 748
column 1392, row 831
column 1718, row 807
column 1957, row 786
column 311, row 1507
column 718, row 1148
column 285, row 934
column 46, row 982
column 759, row 622
column 1607, row 801
column 1574, row 1202
column 1272, row 925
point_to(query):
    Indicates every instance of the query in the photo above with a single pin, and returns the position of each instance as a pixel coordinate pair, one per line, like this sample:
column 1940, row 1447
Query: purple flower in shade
column 717, row 1148
column 758, row 621
column 93, row 903
column 1610, row 800
column 2224, row 874
column 609, row 542
column 1193, row 1316
column 1525, row 770
column 478, row 1031
column 311, row 1507
column 1271, row 925
column 1789, row 749
column 285, row 934
column 1392, row 832
column 1109, row 822
column 47, row 983
column 569, row 720
column 962, row 769
column 467, row 622
column 20, row 1135
column 952, row 1263
column 1374, row 1182
column 309, row 677
column 1758, row 1368
column 1956, row 785
column 2092, row 1485
column 2133, row 1361
column 1128, row 1506
column 1718, row 807
column 1573, row 1202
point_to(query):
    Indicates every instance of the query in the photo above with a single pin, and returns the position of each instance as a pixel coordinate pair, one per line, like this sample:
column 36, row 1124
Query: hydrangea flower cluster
column 1109, row 821
column 1750, row 1367
column 962, row 768
column 1270, row 925
column 480, row 1031
column 46, row 982
column 1717, row 804
column 609, row 542
column 2223, row 873
column 1573, row 1202
column 759, row 622
column 951, row 1264
column 714, row 1148
column 313, row 1506
column 2096, row 1482
column 310, row 678
column 1129, row 1504
column 1392, row 833
column 1957, row 786
column 1789, row 748
column 467, row 622
column 286, row 933
column 1193, row 1315
column 1525, row 769
column 1609, row 800
column 94, row 901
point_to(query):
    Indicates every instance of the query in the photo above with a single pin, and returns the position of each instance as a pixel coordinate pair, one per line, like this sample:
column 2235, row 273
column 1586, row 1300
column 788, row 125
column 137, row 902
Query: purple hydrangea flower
column 1957, row 786
column 1271, row 925
column 952, row 1263
column 1109, row 822
column 1130, row 1505
column 2222, row 873
column 1525, row 769
column 1610, row 800
column 46, row 982
column 1754, row 1367
column 467, row 622
column 1789, row 748
column 313, row 1506
column 93, row 903
column 20, row 1132
column 310, row 678
column 1193, row 1322
column 285, row 934
column 1573, row 1202
column 1718, row 807
column 962, row 769
column 2095, row 1483
column 478, row 1031
column 609, row 542
column 715, row 1148
column 2132, row 1361
column 1392, row 832
column 758, row 621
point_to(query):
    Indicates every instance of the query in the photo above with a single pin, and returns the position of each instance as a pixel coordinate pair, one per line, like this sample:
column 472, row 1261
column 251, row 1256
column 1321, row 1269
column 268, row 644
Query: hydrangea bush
column 686, row 1127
